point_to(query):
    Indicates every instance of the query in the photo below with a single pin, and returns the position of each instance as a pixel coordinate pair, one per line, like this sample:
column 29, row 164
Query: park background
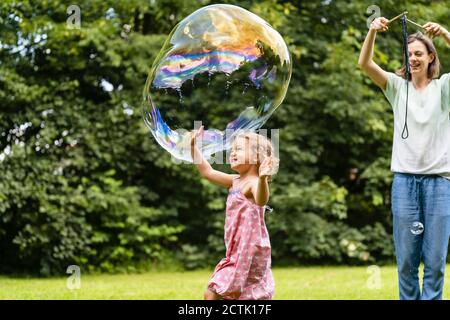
column 83, row 182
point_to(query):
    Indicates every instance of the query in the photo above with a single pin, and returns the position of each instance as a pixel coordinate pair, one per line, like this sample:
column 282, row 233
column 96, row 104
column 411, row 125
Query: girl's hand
column 433, row 29
column 195, row 134
column 380, row 24
column 268, row 167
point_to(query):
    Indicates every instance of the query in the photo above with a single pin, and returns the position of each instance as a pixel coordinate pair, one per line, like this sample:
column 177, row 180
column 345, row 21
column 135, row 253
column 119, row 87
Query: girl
column 245, row 272
column 420, row 161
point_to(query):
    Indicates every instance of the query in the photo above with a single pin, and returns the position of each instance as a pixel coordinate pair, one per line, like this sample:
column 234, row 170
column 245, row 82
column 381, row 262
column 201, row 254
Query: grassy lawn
column 291, row 283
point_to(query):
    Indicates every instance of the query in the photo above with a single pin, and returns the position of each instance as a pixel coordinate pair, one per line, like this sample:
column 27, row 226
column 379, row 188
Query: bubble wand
column 408, row 20
column 398, row 17
column 404, row 20
column 416, row 24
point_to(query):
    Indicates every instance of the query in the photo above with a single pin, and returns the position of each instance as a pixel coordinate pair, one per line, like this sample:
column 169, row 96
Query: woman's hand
column 380, row 24
column 434, row 30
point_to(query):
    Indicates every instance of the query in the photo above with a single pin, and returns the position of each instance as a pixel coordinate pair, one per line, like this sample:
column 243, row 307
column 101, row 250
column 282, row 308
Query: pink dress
column 245, row 273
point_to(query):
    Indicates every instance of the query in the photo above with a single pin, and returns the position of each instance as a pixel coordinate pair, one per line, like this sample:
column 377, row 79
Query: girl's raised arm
column 203, row 166
column 373, row 70
column 260, row 188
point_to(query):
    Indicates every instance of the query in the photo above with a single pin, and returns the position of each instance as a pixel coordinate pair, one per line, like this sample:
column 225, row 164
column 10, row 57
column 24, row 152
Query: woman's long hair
column 434, row 68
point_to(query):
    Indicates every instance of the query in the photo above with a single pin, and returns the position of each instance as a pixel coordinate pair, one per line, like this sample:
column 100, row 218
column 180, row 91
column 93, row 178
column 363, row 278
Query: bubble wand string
column 404, row 20
column 405, row 132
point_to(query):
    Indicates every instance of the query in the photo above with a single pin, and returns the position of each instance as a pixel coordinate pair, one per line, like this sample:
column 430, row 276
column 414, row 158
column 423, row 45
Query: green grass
column 291, row 283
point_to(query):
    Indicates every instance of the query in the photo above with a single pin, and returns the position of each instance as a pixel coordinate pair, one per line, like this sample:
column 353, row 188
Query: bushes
column 74, row 186
column 97, row 224
column 309, row 225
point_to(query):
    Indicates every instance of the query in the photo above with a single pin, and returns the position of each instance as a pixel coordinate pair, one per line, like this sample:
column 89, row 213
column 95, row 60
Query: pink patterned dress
column 245, row 273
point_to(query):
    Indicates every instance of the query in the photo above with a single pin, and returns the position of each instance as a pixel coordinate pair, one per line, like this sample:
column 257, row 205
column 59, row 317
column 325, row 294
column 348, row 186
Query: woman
column 420, row 159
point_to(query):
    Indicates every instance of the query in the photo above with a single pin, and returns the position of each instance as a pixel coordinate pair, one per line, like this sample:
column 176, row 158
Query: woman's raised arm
column 373, row 70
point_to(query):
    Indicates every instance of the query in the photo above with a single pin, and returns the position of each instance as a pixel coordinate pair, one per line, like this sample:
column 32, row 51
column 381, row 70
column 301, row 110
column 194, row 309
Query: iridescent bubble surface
column 222, row 65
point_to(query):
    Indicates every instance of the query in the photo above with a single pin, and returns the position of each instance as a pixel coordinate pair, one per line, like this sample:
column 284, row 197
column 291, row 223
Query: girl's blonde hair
column 262, row 146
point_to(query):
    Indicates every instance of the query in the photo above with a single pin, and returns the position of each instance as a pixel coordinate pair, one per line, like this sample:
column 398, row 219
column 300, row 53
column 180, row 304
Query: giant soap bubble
column 223, row 66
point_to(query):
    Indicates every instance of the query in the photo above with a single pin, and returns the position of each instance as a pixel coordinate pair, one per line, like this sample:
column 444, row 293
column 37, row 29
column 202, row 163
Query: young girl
column 420, row 161
column 245, row 272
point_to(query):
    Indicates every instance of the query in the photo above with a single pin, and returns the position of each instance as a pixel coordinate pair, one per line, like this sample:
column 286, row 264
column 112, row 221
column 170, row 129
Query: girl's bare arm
column 260, row 188
column 203, row 166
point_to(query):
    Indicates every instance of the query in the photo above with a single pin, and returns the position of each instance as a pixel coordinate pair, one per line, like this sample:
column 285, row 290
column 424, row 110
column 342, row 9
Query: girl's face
column 241, row 156
column 419, row 58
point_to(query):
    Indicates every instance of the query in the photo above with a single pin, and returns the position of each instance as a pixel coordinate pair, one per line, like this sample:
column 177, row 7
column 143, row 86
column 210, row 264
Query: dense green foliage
column 83, row 182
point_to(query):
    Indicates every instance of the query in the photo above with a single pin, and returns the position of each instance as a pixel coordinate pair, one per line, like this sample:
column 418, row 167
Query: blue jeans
column 421, row 216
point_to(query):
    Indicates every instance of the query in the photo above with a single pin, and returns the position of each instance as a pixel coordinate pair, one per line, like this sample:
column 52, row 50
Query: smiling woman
column 423, row 58
column 420, row 160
